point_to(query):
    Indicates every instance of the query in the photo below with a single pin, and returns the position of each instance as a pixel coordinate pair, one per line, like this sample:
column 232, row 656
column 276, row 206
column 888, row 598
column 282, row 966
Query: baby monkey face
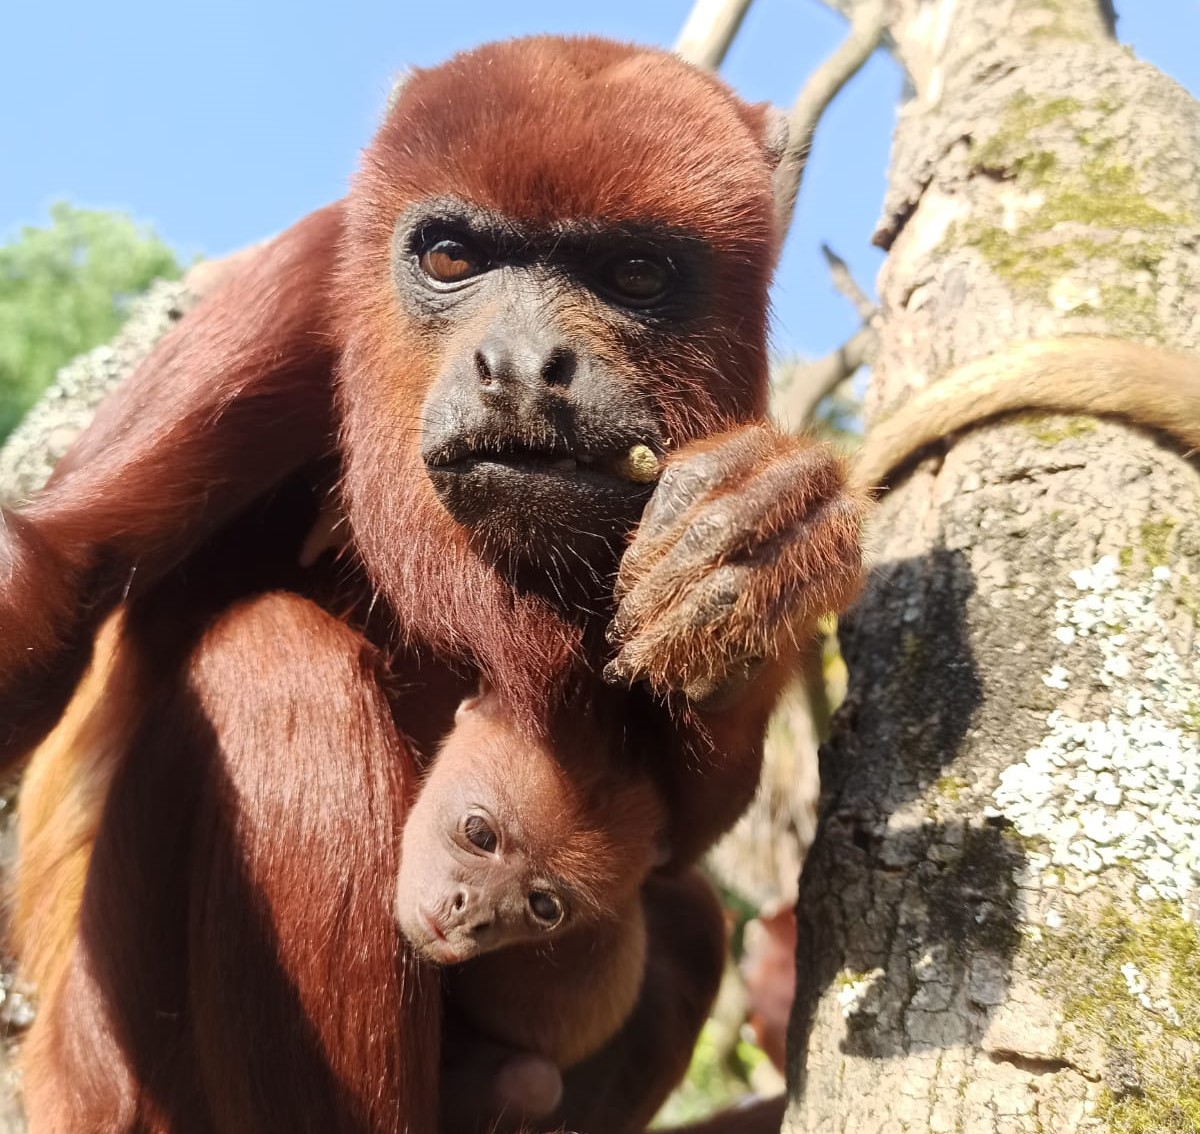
column 468, row 885
column 511, row 842
column 476, row 871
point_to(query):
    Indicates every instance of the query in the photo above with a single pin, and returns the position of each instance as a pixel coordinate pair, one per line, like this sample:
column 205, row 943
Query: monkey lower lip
column 605, row 469
column 438, row 948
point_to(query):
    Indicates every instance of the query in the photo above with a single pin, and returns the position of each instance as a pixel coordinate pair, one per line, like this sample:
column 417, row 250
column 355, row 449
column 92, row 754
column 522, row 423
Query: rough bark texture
column 997, row 918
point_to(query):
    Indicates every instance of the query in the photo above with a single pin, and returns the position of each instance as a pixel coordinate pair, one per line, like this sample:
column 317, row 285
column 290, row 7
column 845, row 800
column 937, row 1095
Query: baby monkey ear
column 476, row 701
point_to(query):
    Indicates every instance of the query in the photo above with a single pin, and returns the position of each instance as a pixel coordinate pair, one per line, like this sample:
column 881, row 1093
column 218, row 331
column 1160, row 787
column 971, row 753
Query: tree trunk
column 996, row 922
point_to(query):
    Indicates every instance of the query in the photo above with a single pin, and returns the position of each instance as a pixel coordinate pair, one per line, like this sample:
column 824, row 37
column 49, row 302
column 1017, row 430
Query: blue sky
column 222, row 122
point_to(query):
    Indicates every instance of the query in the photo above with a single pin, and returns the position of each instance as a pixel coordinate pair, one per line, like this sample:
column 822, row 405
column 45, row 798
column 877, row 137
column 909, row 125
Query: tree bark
column 997, row 919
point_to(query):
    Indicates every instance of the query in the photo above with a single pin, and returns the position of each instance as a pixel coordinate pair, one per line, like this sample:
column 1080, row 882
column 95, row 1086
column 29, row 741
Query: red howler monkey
column 520, row 867
column 556, row 253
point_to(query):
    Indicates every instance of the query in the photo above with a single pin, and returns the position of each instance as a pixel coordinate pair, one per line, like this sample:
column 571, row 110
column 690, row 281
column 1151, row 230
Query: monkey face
column 511, row 842
column 531, row 289
column 468, row 886
column 527, row 427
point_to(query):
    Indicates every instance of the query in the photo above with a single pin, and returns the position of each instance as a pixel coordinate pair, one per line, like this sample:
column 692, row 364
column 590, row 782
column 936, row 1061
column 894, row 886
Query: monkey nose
column 503, row 361
column 465, row 913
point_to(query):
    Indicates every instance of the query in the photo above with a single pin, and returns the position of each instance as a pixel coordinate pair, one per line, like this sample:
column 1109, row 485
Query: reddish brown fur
column 695, row 164
column 62, row 795
column 564, row 1000
column 580, row 823
column 236, row 966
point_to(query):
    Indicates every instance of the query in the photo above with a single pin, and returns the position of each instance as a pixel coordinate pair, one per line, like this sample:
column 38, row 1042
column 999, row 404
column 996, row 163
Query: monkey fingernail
column 614, row 675
column 639, row 465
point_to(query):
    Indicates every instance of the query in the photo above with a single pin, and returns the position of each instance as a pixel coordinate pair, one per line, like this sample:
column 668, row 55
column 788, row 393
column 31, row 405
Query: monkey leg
column 619, row 1089
column 310, row 1014
column 110, row 1051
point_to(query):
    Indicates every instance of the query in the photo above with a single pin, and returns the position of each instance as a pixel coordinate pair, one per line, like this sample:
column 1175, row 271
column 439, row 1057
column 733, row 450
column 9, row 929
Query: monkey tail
column 1108, row 377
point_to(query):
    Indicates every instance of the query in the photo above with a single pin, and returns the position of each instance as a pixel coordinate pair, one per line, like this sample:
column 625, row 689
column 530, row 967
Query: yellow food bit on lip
column 639, row 465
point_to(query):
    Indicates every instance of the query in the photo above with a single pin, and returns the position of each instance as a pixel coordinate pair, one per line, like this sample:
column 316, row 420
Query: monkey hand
column 488, row 1086
column 748, row 539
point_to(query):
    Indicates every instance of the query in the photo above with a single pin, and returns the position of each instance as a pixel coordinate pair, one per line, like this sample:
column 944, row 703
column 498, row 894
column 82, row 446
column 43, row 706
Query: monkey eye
column 451, row 261
column 638, row 280
column 479, row 833
column 545, row 907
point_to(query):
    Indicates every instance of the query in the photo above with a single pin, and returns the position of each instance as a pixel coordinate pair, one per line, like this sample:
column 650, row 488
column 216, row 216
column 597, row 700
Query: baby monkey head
column 514, row 840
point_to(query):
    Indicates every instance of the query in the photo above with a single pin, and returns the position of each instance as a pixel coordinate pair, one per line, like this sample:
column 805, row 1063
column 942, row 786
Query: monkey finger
column 529, row 1086
column 685, row 642
column 797, row 496
column 689, row 476
column 685, row 483
column 664, row 602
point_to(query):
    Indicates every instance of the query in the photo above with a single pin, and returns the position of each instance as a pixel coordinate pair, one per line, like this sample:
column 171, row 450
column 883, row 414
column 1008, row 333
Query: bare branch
column 842, row 7
column 807, row 384
column 844, row 281
column 709, row 30
column 866, row 31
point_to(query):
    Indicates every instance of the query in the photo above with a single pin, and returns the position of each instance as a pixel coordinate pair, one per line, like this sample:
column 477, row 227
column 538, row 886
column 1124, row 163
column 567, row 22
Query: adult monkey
column 556, row 251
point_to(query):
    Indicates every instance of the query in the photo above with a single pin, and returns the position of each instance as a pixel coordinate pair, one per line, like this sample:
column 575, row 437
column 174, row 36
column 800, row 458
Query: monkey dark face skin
column 573, row 300
column 538, row 398
column 509, row 844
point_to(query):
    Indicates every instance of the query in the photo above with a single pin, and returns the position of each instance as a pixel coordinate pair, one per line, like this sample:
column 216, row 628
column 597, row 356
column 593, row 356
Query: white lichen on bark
column 1122, row 789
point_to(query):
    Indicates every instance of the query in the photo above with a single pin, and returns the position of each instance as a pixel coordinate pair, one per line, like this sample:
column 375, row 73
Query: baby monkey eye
column 479, row 833
column 546, row 907
column 451, row 261
column 638, row 280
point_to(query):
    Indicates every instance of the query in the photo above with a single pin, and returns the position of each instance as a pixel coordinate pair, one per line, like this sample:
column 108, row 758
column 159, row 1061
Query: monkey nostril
column 460, row 901
column 559, row 368
column 485, row 368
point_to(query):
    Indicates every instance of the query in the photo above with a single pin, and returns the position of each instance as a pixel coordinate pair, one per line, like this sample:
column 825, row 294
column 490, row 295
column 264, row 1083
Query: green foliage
column 716, row 1079
column 64, row 289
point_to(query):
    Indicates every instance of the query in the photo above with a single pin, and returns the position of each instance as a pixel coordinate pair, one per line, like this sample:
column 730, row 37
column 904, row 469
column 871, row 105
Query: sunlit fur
column 62, row 793
column 233, row 965
column 595, row 132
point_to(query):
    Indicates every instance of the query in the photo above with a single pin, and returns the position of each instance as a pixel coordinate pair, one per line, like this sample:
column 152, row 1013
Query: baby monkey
column 521, row 869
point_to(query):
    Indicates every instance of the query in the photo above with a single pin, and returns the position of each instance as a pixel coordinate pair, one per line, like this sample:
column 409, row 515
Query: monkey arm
column 717, row 758
column 748, row 539
column 226, row 405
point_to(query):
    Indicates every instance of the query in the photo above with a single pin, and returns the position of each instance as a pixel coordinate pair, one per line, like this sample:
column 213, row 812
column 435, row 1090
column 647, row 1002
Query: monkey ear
column 398, row 85
column 475, row 701
column 776, row 123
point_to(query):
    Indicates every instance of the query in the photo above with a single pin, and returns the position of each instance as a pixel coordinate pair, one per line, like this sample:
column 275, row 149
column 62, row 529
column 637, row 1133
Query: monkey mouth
column 437, row 946
column 467, row 455
column 527, row 496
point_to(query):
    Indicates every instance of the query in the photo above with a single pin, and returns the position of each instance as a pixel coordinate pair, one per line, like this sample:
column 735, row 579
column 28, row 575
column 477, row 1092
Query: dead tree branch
column 847, row 285
column 808, row 383
column 819, row 90
column 709, row 30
